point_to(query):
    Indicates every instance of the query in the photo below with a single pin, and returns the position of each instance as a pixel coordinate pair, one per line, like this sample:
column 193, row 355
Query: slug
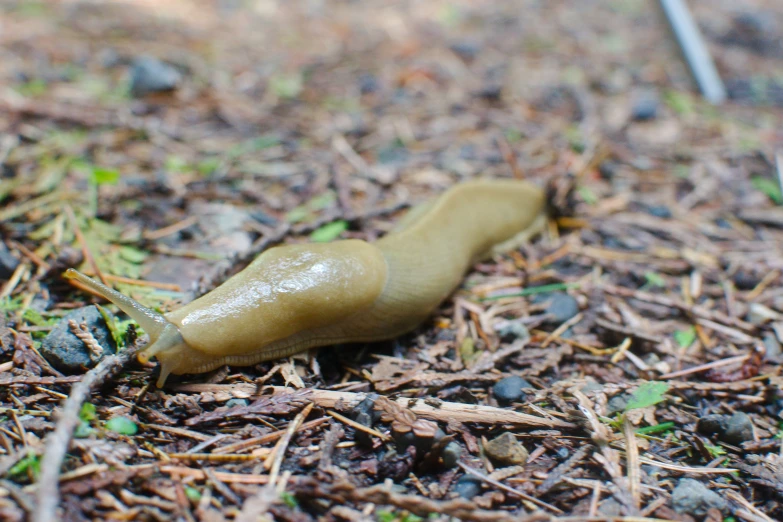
column 295, row 297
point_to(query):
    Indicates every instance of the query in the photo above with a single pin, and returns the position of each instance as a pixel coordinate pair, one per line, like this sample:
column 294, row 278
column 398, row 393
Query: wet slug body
column 295, row 297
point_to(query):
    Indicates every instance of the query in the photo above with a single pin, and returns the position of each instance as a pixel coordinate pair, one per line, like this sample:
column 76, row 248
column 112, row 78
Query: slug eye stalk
column 164, row 335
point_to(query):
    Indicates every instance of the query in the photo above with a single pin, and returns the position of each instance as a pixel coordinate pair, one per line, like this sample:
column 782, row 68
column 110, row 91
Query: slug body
column 295, row 297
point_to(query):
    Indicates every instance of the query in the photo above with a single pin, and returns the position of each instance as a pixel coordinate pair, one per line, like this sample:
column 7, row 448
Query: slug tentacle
column 164, row 335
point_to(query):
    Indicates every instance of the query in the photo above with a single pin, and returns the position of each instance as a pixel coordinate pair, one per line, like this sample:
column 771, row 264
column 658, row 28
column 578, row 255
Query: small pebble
column 694, row 498
column 739, row 429
column 237, row 403
column 506, row 449
column 422, row 444
column 592, row 386
column 645, row 108
column 734, row 429
column 150, row 75
column 745, row 280
column 562, row 453
column 561, row 307
column 760, row 314
column 8, row 262
column 661, row 211
column 451, row 454
column 711, row 424
column 512, row 330
column 465, row 49
column 607, row 169
column 610, row 508
column 510, row 389
column 774, row 352
column 368, row 83
column 617, row 403
column 68, row 353
column 467, row 487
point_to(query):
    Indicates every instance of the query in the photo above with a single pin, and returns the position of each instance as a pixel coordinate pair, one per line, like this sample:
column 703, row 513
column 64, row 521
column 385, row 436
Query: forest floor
column 646, row 322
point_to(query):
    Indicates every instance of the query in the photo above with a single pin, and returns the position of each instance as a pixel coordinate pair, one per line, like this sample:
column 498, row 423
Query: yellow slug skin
column 296, row 297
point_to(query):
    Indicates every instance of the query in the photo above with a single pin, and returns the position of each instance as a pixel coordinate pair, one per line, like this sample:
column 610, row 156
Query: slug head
column 164, row 335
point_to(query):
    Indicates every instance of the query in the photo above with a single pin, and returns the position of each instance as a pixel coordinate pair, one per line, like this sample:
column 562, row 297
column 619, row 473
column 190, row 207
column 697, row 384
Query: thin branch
column 47, row 494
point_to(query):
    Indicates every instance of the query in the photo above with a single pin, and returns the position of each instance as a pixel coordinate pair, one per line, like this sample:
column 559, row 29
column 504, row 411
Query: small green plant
column 648, row 394
column 329, row 232
column 192, row 493
column 29, row 465
column 122, row 425
column 654, row 430
column 654, row 279
column 289, row 499
column 685, row 338
column 769, row 187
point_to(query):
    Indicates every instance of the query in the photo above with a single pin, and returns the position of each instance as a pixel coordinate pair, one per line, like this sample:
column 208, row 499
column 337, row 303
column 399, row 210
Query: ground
column 646, row 321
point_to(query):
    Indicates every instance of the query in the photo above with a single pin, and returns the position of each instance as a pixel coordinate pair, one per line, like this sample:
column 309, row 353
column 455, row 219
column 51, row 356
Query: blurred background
column 227, row 118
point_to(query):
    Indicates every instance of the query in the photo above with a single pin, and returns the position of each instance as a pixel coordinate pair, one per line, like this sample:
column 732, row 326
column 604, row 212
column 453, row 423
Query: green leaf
column 29, row 464
column 122, row 425
column 587, row 195
column 329, row 232
column 685, row 338
column 654, row 279
column 287, row 85
column 532, row 290
column 647, row 394
column 289, row 499
column 88, row 412
column 769, row 187
column 208, row 166
column 192, row 493
column 679, row 102
column 385, row 516
column 83, row 430
column 176, row 164
column 658, row 428
column 102, row 176
column 133, row 255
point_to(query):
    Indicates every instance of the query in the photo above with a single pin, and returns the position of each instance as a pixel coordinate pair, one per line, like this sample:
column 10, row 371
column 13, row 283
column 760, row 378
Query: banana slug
column 300, row 296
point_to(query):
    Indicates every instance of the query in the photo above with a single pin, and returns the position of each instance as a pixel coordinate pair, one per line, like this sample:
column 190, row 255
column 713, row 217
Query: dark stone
column 712, row 425
column 694, row 498
column 8, row 263
column 465, row 49
column 490, row 92
column 610, row 508
column 607, row 169
column 150, row 75
column 617, row 403
column 562, row 453
column 513, row 330
column 422, row 444
column 506, row 449
column 661, row 211
column 561, row 307
column 467, row 487
column 451, row 454
column 722, row 223
column 645, row 108
column 773, row 350
column 368, row 84
column 734, row 429
column 745, row 280
column 739, row 429
column 68, row 353
column 510, row 389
